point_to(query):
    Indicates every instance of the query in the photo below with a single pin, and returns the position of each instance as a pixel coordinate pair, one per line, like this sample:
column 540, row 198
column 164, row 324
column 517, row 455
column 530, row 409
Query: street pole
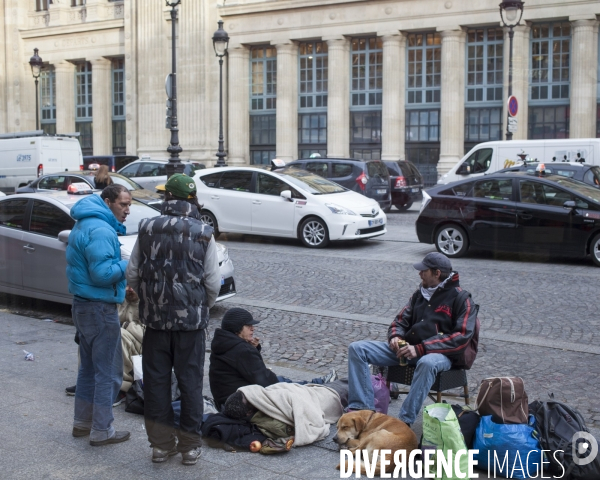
column 174, row 165
column 37, row 105
column 36, row 65
column 220, row 43
column 511, row 34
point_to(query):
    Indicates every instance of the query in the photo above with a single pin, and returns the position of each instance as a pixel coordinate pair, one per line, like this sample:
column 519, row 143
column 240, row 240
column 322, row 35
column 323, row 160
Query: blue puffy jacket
column 94, row 266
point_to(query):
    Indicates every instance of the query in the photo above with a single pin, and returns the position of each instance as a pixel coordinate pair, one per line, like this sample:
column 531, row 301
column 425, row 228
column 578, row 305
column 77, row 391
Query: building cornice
column 72, row 29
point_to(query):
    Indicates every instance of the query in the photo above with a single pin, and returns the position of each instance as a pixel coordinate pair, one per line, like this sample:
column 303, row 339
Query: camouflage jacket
column 171, row 268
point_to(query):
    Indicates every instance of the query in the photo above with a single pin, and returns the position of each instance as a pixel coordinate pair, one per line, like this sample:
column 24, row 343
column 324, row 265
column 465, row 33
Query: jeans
column 318, row 380
column 360, row 395
column 101, row 366
column 183, row 352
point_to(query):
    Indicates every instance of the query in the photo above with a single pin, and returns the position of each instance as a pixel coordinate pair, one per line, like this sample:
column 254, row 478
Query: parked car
column 406, row 183
column 150, row 173
column 583, row 172
column 515, row 211
column 289, row 203
column 34, row 230
column 368, row 177
column 114, row 162
column 62, row 180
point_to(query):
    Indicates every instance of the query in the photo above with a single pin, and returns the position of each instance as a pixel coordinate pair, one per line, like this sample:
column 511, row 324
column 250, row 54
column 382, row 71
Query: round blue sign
column 513, row 106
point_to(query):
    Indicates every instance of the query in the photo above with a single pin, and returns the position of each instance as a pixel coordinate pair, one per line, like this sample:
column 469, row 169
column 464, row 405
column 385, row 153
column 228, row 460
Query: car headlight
column 337, row 209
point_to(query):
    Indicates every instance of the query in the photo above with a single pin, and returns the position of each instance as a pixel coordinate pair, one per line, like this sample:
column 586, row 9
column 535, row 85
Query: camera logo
column 585, row 448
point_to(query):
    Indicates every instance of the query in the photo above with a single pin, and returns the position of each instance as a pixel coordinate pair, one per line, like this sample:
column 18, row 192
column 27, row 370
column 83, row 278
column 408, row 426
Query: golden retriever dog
column 367, row 430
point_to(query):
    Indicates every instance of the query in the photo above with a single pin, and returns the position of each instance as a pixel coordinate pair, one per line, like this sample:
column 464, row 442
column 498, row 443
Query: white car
column 149, row 172
column 289, row 202
column 34, row 230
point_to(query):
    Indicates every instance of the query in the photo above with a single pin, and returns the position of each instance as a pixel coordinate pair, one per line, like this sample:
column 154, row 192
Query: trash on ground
column 28, row 355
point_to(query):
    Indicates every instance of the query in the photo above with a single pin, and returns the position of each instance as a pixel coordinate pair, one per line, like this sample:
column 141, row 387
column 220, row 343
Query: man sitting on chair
column 437, row 333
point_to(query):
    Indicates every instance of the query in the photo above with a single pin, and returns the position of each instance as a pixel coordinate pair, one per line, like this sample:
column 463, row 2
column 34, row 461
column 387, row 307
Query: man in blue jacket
column 96, row 276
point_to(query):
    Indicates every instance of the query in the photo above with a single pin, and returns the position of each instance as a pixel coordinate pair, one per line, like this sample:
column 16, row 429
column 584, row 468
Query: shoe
column 117, row 438
column 331, row 376
column 80, row 432
column 159, row 455
column 191, row 457
column 71, row 390
column 119, row 400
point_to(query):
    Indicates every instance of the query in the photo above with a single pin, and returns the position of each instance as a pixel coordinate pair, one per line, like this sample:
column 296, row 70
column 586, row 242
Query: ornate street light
column 174, row 165
column 220, row 43
column 511, row 10
column 36, row 64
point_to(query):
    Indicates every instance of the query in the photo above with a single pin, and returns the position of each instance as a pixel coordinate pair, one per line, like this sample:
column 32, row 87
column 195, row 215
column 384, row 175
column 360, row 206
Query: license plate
column 415, row 190
column 381, row 192
column 377, row 221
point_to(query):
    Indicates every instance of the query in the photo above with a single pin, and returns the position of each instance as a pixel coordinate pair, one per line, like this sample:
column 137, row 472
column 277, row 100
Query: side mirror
column 463, row 170
column 287, row 194
column 64, row 235
column 570, row 204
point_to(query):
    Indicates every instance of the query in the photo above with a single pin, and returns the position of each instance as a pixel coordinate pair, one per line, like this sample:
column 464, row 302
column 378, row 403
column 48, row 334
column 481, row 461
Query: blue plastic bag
column 509, row 451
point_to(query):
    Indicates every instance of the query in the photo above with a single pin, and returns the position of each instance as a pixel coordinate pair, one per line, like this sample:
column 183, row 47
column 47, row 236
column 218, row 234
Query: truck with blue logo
column 25, row 156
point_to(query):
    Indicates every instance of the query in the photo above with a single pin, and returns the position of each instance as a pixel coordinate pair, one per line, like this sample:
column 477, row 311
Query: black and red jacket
column 437, row 325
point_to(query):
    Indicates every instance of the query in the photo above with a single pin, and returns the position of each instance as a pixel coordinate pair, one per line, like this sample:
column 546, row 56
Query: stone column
column 338, row 101
column 239, row 106
column 287, row 101
column 65, row 97
column 392, row 110
column 102, row 105
column 131, row 87
column 584, row 79
column 520, row 82
column 452, row 114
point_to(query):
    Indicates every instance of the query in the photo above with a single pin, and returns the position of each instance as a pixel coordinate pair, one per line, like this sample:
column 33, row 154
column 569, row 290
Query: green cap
column 181, row 186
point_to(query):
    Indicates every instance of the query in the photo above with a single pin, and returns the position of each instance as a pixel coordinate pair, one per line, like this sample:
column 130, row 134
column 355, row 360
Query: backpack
column 465, row 361
column 468, row 420
column 504, row 398
column 556, row 424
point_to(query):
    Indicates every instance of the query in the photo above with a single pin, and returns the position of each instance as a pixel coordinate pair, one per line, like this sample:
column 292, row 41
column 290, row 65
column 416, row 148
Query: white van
column 25, row 156
column 489, row 157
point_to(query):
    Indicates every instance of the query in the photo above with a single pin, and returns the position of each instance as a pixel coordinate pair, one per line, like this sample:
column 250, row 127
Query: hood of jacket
column 94, row 206
column 224, row 340
column 180, row 208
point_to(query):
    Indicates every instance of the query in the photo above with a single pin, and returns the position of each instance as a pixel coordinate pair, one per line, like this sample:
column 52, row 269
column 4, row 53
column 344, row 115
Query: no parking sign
column 513, row 106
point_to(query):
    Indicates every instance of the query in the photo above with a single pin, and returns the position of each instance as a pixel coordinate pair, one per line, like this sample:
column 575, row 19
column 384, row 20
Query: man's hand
column 409, row 352
column 394, row 344
column 254, row 342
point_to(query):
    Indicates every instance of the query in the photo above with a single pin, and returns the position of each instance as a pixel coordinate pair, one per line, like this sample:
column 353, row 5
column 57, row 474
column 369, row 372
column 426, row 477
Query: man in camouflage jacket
column 175, row 271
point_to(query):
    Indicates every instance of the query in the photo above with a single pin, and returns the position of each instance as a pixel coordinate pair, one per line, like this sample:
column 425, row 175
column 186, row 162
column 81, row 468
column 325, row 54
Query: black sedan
column 583, row 172
column 61, row 181
column 513, row 212
column 406, row 182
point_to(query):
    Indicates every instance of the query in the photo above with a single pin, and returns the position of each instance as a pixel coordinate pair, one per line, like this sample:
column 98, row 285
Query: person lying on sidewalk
column 235, row 359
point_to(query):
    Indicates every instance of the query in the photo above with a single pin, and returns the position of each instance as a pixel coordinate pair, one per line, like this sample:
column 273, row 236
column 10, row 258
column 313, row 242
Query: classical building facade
column 423, row 80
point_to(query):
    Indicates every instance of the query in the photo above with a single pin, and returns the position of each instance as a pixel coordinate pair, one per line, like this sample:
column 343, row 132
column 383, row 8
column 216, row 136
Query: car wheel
column 313, row 233
column 452, row 241
column 210, row 220
column 405, row 207
column 595, row 250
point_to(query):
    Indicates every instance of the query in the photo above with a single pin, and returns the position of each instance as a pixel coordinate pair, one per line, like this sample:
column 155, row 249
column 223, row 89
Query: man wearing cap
column 175, row 271
column 437, row 332
column 235, row 359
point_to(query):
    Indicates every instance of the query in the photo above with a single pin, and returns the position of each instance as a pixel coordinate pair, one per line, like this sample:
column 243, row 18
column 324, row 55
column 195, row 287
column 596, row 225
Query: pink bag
column 381, row 393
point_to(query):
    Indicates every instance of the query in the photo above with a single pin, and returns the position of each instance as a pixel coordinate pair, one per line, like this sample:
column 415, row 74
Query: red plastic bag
column 381, row 393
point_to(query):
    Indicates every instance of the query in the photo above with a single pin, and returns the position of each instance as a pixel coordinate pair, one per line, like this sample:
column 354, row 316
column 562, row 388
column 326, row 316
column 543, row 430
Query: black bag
column 469, row 421
column 134, row 399
column 556, row 424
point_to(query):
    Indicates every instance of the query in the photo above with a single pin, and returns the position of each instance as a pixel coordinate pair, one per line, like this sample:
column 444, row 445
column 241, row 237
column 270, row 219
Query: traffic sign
column 513, row 106
column 512, row 121
column 512, row 128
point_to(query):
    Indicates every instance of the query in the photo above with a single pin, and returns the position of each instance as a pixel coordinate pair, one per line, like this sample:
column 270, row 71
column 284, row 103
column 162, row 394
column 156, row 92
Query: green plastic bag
column 441, row 431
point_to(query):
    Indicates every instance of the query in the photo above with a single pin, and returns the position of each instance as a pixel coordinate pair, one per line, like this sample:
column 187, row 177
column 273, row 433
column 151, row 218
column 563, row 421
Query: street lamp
column 511, row 9
column 174, row 165
column 36, row 68
column 220, row 43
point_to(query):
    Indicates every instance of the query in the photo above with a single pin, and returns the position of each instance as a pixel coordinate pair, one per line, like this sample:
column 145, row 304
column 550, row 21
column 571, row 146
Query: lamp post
column 511, row 9
column 220, row 43
column 36, row 68
column 174, row 165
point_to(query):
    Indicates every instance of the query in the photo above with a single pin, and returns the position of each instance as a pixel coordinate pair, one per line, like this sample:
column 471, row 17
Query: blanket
column 310, row 409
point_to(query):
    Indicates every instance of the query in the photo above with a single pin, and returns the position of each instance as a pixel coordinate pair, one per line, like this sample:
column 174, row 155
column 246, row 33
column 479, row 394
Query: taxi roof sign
column 79, row 188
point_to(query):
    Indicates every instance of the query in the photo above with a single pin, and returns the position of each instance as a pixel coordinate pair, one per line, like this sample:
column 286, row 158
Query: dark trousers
column 164, row 350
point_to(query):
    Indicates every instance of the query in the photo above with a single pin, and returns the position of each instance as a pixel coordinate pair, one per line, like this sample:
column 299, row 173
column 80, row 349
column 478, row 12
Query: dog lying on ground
column 367, row 430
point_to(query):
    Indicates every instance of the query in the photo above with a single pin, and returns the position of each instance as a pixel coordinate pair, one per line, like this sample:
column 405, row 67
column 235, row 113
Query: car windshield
column 583, row 189
column 309, row 182
column 126, row 182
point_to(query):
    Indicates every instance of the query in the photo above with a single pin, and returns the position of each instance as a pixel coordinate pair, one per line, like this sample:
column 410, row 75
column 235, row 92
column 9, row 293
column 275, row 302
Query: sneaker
column 117, row 438
column 119, row 400
column 331, row 376
column 71, row 390
column 159, row 455
column 190, row 457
